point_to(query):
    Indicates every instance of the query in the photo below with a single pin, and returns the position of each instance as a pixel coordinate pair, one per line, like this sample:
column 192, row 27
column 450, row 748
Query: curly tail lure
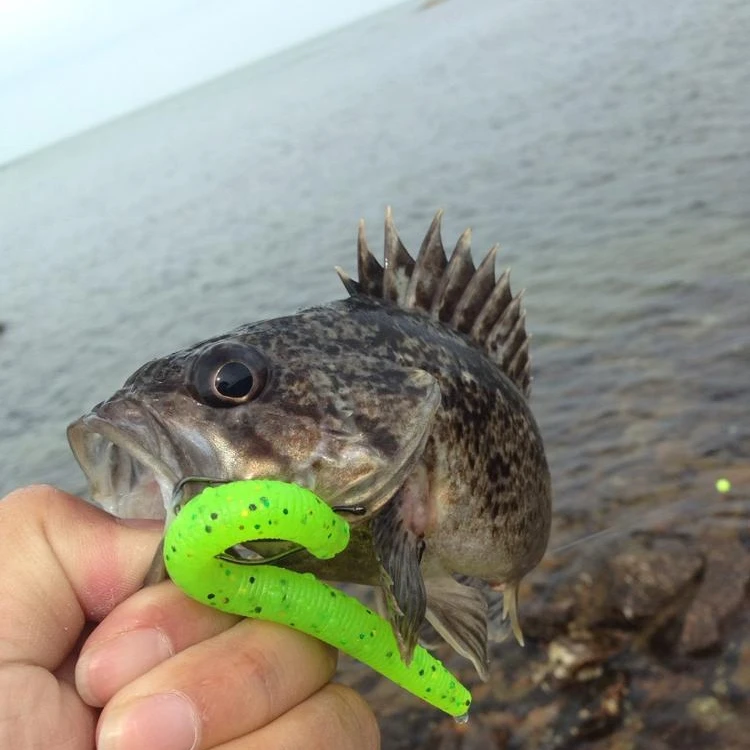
column 223, row 516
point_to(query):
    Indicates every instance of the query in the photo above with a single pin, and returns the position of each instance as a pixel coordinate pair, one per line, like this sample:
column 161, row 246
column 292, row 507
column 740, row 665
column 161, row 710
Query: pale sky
column 67, row 65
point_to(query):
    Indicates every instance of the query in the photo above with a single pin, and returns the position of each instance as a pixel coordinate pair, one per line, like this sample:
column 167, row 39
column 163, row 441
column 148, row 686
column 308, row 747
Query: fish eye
column 234, row 380
column 228, row 374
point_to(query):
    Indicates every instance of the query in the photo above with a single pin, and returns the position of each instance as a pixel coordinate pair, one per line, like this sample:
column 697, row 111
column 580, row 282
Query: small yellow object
column 723, row 485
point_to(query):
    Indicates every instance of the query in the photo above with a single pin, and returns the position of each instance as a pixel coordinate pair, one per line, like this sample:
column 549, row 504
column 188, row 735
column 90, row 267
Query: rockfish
column 404, row 407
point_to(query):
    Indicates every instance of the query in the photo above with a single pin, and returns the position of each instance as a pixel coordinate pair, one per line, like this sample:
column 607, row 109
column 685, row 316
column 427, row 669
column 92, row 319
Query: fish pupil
column 233, row 380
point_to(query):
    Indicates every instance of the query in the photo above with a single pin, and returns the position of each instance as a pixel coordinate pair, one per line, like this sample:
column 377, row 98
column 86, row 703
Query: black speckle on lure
column 288, row 597
column 405, row 407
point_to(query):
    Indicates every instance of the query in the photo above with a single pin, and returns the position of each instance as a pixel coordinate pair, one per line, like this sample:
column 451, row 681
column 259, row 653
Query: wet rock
column 580, row 657
column 721, row 593
column 636, row 582
column 650, row 575
column 603, row 714
column 640, row 640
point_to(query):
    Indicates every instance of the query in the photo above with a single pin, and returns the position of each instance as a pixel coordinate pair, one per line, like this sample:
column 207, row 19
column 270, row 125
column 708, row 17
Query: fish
column 404, row 406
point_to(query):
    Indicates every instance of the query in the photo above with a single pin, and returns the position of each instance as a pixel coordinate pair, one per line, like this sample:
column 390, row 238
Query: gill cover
column 373, row 433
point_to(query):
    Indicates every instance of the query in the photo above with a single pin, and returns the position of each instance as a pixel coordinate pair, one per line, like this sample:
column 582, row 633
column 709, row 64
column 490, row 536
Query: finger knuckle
column 354, row 717
column 260, row 674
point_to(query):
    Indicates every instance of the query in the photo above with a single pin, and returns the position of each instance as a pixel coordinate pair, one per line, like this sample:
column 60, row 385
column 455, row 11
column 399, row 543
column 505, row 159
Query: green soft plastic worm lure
column 220, row 517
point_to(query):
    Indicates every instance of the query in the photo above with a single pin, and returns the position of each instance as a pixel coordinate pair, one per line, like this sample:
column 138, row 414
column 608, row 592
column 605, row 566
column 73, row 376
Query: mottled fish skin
column 408, row 401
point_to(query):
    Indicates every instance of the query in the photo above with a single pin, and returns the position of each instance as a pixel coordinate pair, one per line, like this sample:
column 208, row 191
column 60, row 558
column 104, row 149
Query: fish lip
column 104, row 447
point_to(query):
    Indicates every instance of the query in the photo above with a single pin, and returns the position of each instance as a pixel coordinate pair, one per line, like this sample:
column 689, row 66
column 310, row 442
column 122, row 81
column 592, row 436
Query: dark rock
column 638, row 640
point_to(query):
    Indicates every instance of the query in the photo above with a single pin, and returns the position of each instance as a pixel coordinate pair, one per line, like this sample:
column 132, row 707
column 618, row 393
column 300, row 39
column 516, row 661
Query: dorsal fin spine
column 370, row 272
column 428, row 269
column 452, row 291
column 519, row 368
column 399, row 265
column 457, row 274
column 475, row 294
column 515, row 339
column 499, row 299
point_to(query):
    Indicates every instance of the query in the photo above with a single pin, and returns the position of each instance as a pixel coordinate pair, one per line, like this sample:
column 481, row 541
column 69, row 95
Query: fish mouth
column 130, row 463
column 133, row 469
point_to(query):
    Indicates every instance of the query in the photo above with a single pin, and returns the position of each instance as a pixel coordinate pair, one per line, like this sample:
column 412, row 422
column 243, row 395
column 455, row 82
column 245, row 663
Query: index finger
column 64, row 562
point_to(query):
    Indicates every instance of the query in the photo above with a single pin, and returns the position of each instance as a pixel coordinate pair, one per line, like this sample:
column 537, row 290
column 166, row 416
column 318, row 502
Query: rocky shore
column 639, row 639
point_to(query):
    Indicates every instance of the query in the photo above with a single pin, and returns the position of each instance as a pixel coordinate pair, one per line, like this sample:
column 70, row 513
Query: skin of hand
column 89, row 659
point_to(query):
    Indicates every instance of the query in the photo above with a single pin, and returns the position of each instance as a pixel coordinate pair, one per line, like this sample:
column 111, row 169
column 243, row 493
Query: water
column 606, row 146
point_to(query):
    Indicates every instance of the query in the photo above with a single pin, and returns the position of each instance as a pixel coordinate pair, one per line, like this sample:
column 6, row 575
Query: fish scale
column 404, row 405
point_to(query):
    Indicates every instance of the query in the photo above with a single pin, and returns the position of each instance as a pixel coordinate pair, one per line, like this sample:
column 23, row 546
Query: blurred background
column 606, row 146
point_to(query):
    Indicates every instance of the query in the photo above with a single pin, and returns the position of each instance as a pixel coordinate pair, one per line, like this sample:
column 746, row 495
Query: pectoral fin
column 399, row 551
column 429, row 638
column 459, row 614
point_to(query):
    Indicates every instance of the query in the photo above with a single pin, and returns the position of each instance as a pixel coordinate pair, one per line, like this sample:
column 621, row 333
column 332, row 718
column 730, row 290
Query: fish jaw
column 136, row 447
column 128, row 459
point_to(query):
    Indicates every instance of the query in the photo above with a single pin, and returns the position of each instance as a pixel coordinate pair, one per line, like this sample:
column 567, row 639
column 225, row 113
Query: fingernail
column 111, row 665
column 168, row 722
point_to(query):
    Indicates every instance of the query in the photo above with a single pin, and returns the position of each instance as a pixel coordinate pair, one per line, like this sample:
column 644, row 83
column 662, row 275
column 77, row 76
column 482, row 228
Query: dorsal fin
column 398, row 265
column 453, row 291
column 370, row 272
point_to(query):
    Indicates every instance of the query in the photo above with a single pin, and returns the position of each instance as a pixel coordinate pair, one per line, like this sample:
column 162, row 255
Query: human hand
column 169, row 673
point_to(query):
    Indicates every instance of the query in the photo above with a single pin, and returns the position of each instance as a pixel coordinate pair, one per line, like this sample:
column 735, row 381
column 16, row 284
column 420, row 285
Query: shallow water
column 606, row 147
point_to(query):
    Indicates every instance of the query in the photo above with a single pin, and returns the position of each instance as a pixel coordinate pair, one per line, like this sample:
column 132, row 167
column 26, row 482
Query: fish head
column 246, row 406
